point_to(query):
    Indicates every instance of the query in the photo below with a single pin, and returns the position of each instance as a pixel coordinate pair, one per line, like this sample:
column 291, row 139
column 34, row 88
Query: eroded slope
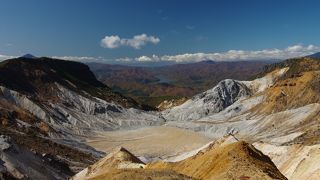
column 237, row 160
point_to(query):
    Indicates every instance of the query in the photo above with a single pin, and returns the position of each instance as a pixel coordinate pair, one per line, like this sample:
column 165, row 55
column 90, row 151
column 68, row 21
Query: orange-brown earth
column 296, row 91
column 238, row 160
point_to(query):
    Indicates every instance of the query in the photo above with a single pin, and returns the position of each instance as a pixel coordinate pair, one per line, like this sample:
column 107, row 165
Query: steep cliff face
column 74, row 114
column 28, row 151
column 18, row 162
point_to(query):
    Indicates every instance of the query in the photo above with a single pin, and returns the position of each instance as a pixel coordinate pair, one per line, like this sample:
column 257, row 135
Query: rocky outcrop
column 212, row 101
column 18, row 162
column 118, row 159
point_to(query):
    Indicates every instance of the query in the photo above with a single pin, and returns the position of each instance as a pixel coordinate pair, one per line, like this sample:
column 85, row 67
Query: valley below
column 60, row 117
column 152, row 85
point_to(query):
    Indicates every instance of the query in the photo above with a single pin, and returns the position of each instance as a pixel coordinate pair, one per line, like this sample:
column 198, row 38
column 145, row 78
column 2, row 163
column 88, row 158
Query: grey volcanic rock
column 212, row 101
column 224, row 94
column 4, row 142
column 18, row 162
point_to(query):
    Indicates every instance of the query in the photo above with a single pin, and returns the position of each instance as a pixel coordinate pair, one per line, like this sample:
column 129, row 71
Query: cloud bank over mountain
column 4, row 57
column 232, row 55
column 138, row 41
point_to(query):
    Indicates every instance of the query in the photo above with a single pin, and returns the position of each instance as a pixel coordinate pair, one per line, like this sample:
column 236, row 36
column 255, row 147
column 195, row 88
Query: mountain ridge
column 315, row 55
column 152, row 85
column 36, row 75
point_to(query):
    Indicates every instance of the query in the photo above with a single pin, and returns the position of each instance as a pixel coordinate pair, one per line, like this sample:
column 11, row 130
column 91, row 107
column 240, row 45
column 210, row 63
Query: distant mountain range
column 152, row 85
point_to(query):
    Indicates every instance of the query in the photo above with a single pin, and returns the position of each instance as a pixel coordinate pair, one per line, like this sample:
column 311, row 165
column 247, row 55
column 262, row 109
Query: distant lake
column 162, row 79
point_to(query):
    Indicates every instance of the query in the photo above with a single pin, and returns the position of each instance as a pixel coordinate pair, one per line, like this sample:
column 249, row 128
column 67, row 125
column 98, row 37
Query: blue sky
column 166, row 30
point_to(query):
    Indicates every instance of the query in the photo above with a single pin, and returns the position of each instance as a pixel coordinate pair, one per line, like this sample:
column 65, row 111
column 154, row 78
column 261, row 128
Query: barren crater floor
column 159, row 141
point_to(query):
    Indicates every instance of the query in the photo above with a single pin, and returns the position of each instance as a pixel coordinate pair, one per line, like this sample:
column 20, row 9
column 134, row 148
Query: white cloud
column 125, row 59
column 235, row 55
column 76, row 58
column 5, row 57
column 312, row 47
column 295, row 48
column 148, row 59
column 144, row 59
column 111, row 42
column 136, row 42
column 141, row 40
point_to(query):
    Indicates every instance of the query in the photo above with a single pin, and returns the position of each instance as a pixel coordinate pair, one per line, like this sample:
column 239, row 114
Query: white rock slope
column 74, row 114
column 223, row 95
column 210, row 102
